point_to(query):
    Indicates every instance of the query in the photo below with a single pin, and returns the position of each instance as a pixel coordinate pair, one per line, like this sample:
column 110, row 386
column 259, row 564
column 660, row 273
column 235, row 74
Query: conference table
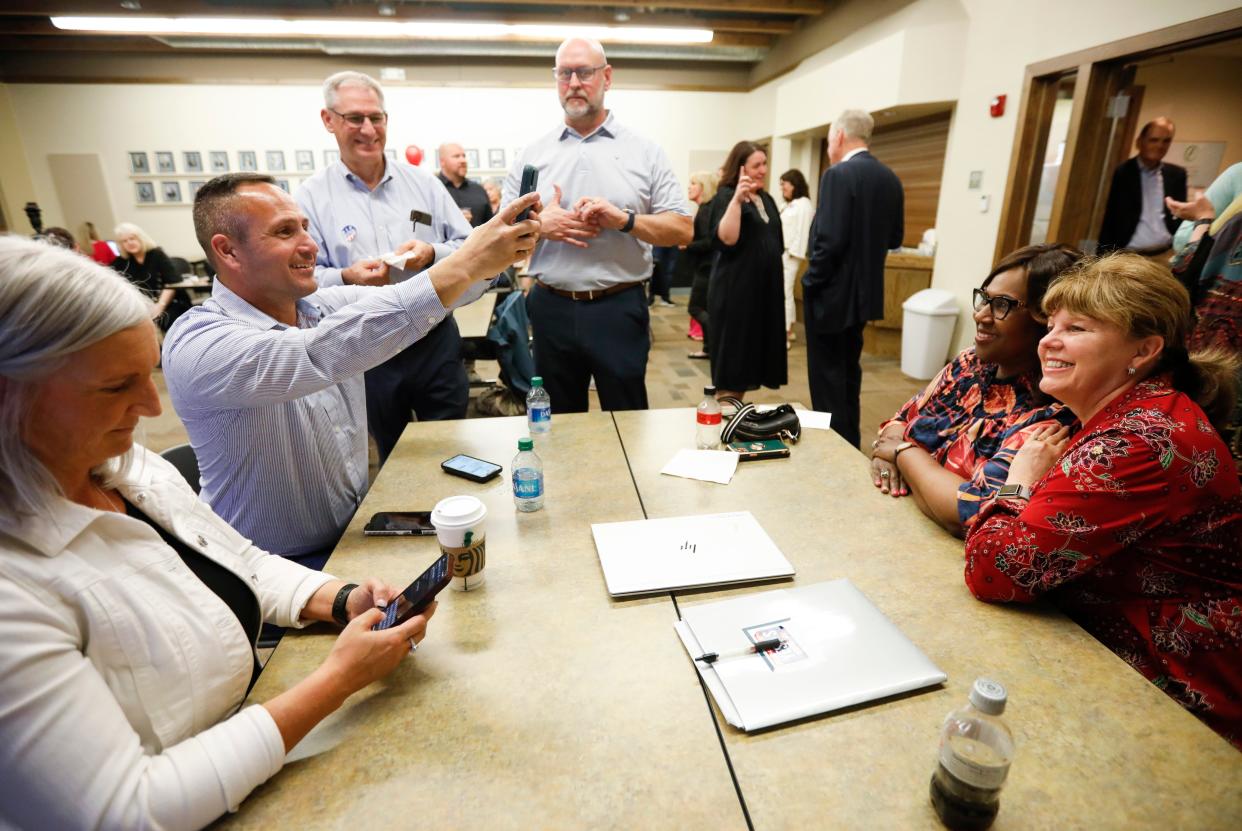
column 540, row 702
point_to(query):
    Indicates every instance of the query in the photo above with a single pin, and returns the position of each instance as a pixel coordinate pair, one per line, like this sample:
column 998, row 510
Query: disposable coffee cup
column 461, row 528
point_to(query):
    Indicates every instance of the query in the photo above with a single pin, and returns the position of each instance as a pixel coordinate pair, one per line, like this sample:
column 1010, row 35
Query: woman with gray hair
column 128, row 610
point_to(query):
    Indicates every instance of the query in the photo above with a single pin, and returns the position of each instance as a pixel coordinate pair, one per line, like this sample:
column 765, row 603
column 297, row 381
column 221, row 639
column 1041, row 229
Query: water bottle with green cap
column 527, row 477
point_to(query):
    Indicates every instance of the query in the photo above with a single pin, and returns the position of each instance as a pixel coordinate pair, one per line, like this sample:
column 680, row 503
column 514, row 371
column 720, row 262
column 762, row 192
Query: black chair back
column 183, row 459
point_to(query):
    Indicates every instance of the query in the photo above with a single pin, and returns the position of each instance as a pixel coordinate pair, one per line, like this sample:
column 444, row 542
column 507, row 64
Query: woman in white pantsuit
column 796, row 223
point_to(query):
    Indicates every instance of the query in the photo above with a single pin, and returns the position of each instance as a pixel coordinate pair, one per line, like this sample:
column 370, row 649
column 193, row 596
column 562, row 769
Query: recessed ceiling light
column 386, row 9
column 131, row 5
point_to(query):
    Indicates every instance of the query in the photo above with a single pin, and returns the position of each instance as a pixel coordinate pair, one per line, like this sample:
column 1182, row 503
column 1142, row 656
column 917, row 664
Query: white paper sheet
column 814, row 419
column 705, row 465
column 650, row 555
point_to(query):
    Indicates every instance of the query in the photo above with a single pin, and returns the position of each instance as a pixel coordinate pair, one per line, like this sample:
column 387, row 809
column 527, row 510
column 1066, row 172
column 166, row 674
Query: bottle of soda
column 976, row 748
column 707, row 429
column 527, row 477
column 538, row 409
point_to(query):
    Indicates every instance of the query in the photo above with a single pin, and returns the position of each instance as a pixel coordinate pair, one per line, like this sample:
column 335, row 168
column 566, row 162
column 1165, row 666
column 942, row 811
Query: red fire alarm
column 998, row 106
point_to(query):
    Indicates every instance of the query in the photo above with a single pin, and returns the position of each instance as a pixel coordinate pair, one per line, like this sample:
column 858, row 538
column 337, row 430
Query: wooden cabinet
column 904, row 274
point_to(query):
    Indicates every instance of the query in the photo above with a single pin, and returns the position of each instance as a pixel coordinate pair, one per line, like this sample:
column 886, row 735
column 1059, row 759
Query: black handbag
column 748, row 424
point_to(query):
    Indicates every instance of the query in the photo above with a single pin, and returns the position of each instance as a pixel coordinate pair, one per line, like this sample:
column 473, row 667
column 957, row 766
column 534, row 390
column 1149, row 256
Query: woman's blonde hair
column 706, row 181
column 1143, row 299
column 127, row 228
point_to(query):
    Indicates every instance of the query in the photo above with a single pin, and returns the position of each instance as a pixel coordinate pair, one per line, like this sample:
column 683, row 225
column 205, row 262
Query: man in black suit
column 859, row 218
column 1136, row 217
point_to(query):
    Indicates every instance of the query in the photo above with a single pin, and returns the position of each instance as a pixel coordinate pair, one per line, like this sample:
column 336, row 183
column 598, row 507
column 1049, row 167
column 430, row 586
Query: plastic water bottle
column 538, row 409
column 976, row 748
column 707, row 429
column 527, row 477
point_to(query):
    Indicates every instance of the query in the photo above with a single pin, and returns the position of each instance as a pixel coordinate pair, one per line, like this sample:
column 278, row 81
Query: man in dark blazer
column 859, row 218
column 1136, row 217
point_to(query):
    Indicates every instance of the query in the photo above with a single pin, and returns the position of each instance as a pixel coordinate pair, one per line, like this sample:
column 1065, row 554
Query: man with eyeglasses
column 609, row 196
column 362, row 208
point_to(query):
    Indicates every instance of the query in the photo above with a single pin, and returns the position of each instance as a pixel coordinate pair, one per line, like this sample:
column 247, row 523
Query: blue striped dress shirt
column 277, row 414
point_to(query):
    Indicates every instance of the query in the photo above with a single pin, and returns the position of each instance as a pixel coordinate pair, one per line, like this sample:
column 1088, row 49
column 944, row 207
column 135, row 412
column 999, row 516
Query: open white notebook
column 837, row 649
column 650, row 555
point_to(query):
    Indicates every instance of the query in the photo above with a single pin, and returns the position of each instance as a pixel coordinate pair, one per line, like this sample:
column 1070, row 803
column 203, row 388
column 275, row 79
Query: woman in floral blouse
column 955, row 439
column 1133, row 525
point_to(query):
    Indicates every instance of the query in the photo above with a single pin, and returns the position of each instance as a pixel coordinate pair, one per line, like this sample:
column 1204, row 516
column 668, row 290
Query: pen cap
column 988, row 696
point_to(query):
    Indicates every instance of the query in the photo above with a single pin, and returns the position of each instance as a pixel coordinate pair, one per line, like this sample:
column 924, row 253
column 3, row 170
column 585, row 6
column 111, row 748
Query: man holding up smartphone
column 611, row 195
column 267, row 374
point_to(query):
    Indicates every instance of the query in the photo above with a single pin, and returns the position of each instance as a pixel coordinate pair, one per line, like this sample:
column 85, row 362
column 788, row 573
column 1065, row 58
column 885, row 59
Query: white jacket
column 121, row 674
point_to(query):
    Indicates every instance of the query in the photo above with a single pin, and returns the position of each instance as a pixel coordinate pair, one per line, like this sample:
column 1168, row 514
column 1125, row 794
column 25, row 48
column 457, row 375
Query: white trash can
column 926, row 332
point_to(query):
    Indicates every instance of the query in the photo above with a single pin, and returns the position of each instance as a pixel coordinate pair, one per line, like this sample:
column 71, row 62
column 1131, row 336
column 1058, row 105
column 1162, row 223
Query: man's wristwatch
column 338, row 605
column 629, row 223
column 1013, row 492
column 905, row 445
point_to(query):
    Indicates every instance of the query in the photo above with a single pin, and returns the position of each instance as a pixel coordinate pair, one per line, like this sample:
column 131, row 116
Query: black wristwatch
column 338, row 605
column 1013, row 492
column 629, row 223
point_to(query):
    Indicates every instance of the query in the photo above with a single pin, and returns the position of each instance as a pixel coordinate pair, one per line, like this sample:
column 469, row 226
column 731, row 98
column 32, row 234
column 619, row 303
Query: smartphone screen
column 530, row 181
column 470, row 468
column 400, row 523
column 418, row 595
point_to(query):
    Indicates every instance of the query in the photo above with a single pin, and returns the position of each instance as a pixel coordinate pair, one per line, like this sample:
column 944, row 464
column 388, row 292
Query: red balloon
column 414, row 155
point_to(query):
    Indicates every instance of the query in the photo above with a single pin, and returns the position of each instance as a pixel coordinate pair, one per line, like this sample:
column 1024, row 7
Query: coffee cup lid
column 456, row 511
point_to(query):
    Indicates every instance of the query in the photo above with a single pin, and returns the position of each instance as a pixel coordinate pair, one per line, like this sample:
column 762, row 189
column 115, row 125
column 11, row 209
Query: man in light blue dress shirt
column 363, row 207
column 610, row 195
column 267, row 374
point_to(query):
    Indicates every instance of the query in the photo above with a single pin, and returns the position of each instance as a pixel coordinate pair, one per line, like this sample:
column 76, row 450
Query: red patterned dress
column 1136, row 532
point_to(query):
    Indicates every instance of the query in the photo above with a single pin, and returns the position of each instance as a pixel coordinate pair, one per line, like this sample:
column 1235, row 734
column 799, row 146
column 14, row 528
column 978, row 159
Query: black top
column 470, row 195
column 151, row 274
column 225, row 584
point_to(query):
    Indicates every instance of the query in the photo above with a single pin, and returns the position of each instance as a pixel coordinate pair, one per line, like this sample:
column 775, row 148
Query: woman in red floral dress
column 1134, row 525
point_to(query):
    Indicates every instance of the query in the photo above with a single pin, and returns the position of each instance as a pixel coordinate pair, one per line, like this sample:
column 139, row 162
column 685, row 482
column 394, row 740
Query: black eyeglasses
column 584, row 73
column 1001, row 305
column 358, row 119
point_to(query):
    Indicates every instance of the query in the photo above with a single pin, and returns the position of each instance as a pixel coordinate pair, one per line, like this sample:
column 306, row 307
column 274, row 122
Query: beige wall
column 1203, row 96
column 16, row 187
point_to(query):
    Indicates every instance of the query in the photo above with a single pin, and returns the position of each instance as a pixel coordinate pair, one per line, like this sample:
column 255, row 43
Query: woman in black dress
column 147, row 266
column 745, row 294
column 695, row 262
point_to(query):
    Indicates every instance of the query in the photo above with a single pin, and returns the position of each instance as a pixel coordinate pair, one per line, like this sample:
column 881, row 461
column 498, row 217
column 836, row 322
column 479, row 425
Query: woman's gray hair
column 127, row 228
column 854, row 124
column 53, row 303
column 349, row 78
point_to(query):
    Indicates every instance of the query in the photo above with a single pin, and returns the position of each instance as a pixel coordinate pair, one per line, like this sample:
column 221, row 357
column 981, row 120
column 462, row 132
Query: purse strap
column 743, row 410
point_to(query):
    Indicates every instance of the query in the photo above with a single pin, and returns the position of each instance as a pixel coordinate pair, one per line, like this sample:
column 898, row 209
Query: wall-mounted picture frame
column 139, row 163
column 165, row 162
column 496, row 158
column 331, row 156
column 275, row 161
column 193, row 161
column 304, row 160
column 472, row 158
column 283, row 184
column 247, row 161
column 144, row 192
column 171, row 192
column 219, row 160
column 194, row 185
column 391, row 154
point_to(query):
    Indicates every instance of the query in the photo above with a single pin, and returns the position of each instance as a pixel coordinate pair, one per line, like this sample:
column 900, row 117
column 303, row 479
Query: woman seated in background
column 796, row 219
column 744, row 301
column 696, row 258
column 950, row 445
column 128, row 610
column 1134, row 525
column 147, row 266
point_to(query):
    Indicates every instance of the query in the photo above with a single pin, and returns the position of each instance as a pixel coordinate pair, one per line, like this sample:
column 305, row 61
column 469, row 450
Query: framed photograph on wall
column 138, row 163
column 391, row 154
column 247, row 161
column 219, row 161
column 193, row 161
column 194, row 185
column 304, row 159
column 171, row 191
column 144, row 192
column 331, row 156
column 164, row 162
column 275, row 161
column 472, row 158
column 283, row 184
column 496, row 158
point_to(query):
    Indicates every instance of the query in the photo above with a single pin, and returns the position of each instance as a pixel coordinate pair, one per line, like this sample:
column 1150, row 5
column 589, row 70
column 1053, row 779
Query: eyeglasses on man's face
column 584, row 73
column 1001, row 305
column 358, row 119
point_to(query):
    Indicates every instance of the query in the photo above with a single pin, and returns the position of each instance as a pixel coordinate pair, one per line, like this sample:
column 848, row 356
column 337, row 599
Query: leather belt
column 589, row 294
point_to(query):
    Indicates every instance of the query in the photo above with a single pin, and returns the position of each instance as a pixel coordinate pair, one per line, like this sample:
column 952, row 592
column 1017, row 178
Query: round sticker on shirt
column 349, row 232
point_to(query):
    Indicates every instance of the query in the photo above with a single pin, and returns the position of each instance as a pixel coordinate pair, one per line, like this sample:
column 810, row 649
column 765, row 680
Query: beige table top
column 1098, row 746
column 536, row 702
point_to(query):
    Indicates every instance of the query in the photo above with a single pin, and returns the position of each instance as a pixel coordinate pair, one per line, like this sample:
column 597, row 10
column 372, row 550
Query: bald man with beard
column 469, row 195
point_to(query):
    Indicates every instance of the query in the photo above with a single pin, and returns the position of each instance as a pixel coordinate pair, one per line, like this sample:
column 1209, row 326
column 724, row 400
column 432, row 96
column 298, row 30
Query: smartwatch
column 1013, row 492
column 338, row 605
column 629, row 223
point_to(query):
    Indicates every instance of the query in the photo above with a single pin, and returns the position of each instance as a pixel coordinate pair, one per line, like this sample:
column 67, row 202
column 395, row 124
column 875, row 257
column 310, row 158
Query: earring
column 1130, row 370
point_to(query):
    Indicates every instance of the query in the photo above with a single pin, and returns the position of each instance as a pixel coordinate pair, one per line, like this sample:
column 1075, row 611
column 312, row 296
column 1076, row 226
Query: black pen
column 761, row 646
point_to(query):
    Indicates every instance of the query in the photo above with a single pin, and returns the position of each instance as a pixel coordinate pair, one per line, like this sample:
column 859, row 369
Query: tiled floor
column 673, row 380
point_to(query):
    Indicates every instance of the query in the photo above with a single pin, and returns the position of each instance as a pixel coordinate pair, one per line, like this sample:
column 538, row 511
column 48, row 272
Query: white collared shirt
column 1151, row 232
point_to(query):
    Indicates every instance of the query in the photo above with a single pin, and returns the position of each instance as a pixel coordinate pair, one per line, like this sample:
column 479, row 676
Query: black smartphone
column 400, row 524
column 418, row 595
column 530, row 181
column 468, row 467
